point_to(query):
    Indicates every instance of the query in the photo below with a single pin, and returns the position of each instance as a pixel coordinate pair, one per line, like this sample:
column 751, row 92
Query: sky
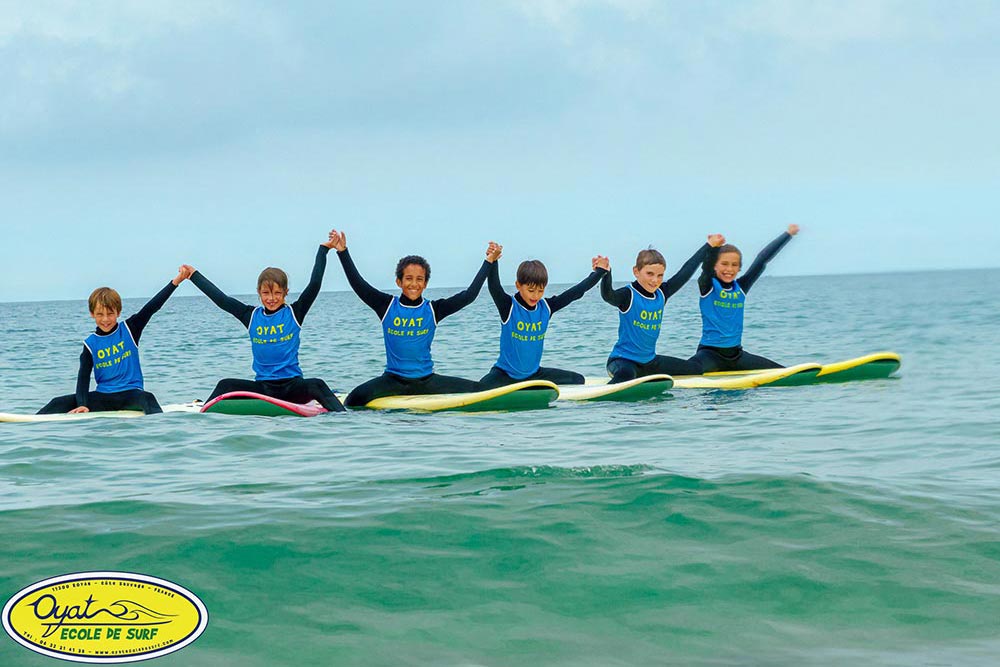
column 136, row 136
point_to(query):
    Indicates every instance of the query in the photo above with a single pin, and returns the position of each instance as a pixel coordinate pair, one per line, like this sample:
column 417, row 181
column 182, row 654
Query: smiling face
column 650, row 276
column 413, row 282
column 272, row 296
column 530, row 294
column 727, row 266
column 105, row 318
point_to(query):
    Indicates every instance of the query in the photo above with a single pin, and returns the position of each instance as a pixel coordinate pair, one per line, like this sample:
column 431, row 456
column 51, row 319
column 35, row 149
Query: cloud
column 165, row 77
column 105, row 23
column 821, row 24
column 566, row 15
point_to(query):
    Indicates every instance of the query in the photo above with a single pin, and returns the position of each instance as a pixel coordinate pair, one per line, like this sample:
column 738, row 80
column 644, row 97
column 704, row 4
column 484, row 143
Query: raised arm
column 503, row 301
column 234, row 307
column 309, row 294
column 620, row 298
column 751, row 275
column 136, row 323
column 675, row 282
column 560, row 301
column 451, row 305
column 707, row 271
column 376, row 300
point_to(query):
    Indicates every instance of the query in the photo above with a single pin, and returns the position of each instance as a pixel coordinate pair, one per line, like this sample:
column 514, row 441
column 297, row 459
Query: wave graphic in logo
column 104, row 617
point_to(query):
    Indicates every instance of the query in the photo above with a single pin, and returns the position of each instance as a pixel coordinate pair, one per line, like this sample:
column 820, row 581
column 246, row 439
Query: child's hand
column 76, row 411
column 600, row 262
column 184, row 271
column 338, row 241
column 329, row 242
column 793, row 230
column 716, row 240
column 493, row 252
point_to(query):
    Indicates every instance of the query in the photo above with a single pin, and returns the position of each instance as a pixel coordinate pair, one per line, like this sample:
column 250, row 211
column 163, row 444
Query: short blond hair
column 107, row 297
column 273, row 275
column 649, row 256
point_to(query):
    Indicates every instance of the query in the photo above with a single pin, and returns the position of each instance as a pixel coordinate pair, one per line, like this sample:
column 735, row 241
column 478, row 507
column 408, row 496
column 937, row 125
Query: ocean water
column 842, row 524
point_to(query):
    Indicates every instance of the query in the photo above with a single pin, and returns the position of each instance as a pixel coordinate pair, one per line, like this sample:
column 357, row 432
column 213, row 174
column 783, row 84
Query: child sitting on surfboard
column 525, row 320
column 112, row 353
column 408, row 325
column 640, row 314
column 723, row 296
column 274, row 328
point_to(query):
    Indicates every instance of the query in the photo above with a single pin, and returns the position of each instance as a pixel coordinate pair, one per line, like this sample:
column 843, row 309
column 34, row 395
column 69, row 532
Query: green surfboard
column 528, row 395
column 598, row 389
column 878, row 365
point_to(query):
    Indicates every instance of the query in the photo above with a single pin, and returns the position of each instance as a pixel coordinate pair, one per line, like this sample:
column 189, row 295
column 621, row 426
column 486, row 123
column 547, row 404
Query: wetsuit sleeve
column 679, row 279
column 616, row 297
column 309, row 294
column 83, row 377
column 445, row 307
column 760, row 262
column 138, row 322
column 504, row 302
column 234, row 307
column 707, row 271
column 560, row 301
column 373, row 298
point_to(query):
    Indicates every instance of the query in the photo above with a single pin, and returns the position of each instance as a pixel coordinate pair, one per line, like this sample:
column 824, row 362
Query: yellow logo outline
column 90, row 629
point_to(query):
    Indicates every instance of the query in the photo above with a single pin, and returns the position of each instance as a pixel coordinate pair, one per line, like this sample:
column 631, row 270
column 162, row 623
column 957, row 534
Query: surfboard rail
column 251, row 403
column 877, row 365
column 599, row 389
column 527, row 395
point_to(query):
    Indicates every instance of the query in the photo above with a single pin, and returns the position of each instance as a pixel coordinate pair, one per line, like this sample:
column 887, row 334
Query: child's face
column 105, row 318
column 413, row 282
column 727, row 266
column 272, row 296
column 650, row 277
column 531, row 294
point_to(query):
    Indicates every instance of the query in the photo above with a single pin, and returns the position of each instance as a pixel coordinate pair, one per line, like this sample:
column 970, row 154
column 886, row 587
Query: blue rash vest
column 274, row 341
column 639, row 327
column 116, row 360
column 722, row 315
column 522, row 337
column 408, row 332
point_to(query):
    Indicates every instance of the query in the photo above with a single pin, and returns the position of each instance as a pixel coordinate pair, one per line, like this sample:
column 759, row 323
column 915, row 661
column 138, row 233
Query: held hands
column 493, row 252
column 184, row 271
column 600, row 262
column 330, row 242
column 716, row 240
column 793, row 230
column 338, row 241
column 76, row 411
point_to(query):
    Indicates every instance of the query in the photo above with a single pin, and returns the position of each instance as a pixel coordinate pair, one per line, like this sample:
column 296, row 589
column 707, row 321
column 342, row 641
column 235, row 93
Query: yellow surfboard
column 527, row 395
column 868, row 367
column 10, row 417
column 741, row 380
column 598, row 389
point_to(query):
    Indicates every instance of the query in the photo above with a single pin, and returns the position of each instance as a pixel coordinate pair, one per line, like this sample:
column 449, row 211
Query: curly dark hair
column 413, row 259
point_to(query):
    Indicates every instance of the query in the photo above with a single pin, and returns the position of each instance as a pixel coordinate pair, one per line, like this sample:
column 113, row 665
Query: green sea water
column 823, row 525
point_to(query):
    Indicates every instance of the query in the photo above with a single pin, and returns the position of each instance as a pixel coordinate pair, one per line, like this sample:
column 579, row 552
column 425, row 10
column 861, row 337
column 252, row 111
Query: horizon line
column 800, row 275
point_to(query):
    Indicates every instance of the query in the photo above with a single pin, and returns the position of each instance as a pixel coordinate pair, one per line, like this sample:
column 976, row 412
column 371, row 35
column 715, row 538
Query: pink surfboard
column 249, row 403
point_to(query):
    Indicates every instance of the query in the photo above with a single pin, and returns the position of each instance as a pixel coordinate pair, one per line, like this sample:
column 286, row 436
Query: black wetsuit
column 505, row 303
column 294, row 389
column 622, row 370
column 132, row 399
column 391, row 384
column 712, row 359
